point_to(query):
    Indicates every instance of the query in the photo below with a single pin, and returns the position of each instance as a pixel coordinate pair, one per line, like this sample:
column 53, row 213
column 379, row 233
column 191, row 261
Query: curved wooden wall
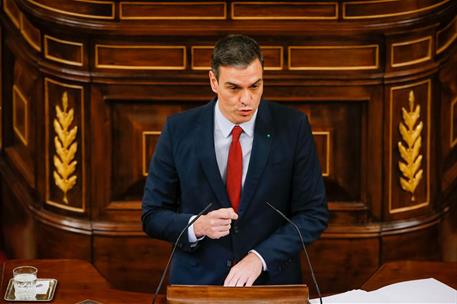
column 87, row 85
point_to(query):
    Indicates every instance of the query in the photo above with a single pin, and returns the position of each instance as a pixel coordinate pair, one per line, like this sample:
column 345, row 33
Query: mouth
column 245, row 112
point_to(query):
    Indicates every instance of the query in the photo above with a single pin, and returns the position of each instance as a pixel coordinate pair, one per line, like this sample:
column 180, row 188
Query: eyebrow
column 236, row 85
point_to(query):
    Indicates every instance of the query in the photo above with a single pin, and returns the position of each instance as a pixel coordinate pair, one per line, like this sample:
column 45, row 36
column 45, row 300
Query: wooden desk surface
column 398, row 271
column 77, row 280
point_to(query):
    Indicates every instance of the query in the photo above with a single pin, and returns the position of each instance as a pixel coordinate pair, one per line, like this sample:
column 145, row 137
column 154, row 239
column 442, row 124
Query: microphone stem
column 304, row 249
column 174, row 249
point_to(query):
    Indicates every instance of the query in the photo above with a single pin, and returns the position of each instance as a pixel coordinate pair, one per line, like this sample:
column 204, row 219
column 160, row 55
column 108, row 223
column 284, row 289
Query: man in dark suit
column 238, row 152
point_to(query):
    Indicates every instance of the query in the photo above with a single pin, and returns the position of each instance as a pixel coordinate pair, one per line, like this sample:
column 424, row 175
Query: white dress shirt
column 222, row 140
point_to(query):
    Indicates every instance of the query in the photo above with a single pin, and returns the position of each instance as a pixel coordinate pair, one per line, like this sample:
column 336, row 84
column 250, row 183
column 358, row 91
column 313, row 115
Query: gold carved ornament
column 410, row 154
column 66, row 147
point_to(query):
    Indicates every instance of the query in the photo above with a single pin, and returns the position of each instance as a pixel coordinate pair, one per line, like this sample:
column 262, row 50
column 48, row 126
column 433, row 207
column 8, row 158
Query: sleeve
column 160, row 216
column 308, row 205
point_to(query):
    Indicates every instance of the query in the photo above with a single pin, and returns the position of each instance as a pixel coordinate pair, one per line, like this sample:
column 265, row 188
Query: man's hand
column 215, row 224
column 245, row 272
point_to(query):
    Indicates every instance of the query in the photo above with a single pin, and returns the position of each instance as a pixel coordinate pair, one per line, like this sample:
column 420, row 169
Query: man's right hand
column 215, row 224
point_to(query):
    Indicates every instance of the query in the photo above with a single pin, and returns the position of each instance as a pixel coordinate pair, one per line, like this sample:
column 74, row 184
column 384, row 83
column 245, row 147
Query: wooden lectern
column 289, row 294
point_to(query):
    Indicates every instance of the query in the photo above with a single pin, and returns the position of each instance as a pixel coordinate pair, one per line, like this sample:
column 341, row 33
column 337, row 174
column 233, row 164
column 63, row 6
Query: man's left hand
column 245, row 272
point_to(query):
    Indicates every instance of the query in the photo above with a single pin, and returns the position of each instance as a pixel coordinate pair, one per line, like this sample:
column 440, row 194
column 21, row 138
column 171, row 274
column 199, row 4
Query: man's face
column 239, row 90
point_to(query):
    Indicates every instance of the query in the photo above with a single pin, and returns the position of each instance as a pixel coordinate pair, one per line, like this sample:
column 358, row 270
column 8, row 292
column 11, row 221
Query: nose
column 245, row 97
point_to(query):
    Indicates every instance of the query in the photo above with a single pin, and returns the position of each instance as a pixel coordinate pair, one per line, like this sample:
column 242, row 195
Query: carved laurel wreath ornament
column 66, row 147
column 410, row 152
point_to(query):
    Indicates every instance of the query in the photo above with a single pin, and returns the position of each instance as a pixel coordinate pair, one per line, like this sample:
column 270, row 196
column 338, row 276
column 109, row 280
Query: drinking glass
column 24, row 282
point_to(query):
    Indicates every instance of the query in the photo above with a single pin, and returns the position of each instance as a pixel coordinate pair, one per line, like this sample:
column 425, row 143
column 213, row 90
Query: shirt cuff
column 264, row 265
column 191, row 234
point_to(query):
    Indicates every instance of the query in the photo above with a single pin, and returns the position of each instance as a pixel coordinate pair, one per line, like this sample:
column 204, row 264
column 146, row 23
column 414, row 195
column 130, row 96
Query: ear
column 213, row 81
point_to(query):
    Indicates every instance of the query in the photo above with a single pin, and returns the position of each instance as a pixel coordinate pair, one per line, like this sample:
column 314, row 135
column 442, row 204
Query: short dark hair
column 235, row 50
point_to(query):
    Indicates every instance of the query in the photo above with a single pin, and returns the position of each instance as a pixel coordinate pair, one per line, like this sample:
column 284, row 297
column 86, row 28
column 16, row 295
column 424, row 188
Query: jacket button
column 235, row 229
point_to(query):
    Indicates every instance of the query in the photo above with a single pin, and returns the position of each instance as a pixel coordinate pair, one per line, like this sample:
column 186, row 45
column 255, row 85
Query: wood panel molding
column 387, row 8
column 20, row 115
column 284, row 10
column 140, row 57
column 147, row 146
column 446, row 36
column 201, row 57
column 382, row 229
column 13, row 12
column 334, row 58
column 90, row 9
column 30, row 33
column 323, row 143
column 172, row 10
column 411, row 52
column 273, row 57
column 63, row 51
column 453, row 133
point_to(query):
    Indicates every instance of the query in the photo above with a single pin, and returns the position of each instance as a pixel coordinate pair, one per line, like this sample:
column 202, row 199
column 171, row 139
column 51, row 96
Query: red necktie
column 235, row 168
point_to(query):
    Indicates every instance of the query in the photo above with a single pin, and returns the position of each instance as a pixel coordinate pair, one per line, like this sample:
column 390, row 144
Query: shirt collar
column 226, row 125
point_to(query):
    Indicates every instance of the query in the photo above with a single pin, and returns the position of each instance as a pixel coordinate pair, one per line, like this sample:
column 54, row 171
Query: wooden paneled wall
column 86, row 87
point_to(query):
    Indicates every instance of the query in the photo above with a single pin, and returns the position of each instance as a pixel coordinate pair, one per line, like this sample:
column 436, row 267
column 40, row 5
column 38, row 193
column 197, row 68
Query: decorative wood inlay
column 355, row 57
column 453, row 123
column 63, row 51
column 12, row 11
column 173, row 10
column 284, row 10
column 387, row 8
column 30, row 33
column 20, row 115
column 411, row 52
column 411, row 162
column 446, row 36
column 149, row 141
column 91, row 9
column 67, row 138
column 66, row 147
column 322, row 140
column 201, row 57
column 140, row 57
column 396, row 98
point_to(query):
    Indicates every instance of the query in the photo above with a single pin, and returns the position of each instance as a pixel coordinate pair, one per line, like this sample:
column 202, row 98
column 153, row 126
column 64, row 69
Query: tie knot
column 236, row 132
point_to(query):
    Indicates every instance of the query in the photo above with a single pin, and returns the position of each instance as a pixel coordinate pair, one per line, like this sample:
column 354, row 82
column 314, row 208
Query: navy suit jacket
column 284, row 170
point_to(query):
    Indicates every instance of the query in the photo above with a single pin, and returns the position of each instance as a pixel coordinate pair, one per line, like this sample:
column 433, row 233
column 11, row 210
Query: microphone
column 304, row 248
column 174, row 248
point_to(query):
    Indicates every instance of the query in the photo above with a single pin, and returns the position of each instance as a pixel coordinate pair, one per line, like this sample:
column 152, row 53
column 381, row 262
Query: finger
column 227, row 213
column 228, row 279
column 222, row 228
column 240, row 282
column 220, row 222
column 232, row 214
column 250, row 281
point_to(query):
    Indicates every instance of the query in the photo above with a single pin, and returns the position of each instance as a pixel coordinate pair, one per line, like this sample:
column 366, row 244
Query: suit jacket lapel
column 263, row 134
column 207, row 154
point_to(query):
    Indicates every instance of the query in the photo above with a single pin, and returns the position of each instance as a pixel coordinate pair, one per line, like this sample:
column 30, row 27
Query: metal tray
column 48, row 296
